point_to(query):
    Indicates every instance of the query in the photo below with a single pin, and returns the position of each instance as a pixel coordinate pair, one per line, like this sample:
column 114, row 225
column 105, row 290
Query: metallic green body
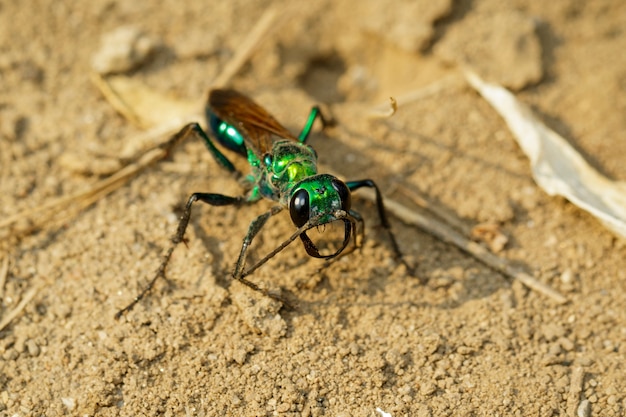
column 283, row 168
column 289, row 166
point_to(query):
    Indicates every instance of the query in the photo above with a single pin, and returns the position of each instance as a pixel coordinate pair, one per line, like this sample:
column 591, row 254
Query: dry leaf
column 557, row 167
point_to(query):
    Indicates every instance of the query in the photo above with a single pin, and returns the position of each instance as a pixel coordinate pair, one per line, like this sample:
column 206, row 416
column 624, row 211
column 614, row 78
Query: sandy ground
column 364, row 334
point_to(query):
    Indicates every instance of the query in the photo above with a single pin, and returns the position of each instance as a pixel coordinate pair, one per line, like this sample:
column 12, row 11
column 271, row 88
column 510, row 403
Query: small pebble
column 567, row 276
column 566, row 344
column 69, row 402
column 584, row 409
column 32, row 347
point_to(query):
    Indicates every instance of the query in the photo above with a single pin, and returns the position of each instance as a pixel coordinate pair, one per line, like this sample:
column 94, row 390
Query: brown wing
column 251, row 120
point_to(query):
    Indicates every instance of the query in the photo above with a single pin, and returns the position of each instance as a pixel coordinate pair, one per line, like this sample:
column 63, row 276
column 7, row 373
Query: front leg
column 194, row 129
column 254, row 228
column 212, row 199
column 380, row 206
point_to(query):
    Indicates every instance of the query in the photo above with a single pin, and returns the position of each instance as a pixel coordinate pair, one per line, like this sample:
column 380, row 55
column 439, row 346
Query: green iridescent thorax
column 288, row 163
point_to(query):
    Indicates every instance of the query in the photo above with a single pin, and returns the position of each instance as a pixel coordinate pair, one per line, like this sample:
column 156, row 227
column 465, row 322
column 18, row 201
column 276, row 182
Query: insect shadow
column 283, row 169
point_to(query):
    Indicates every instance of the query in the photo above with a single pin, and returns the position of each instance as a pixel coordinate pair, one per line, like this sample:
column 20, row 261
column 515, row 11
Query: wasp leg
column 314, row 114
column 357, row 237
column 382, row 214
column 195, row 130
column 212, row 199
column 359, row 230
column 239, row 274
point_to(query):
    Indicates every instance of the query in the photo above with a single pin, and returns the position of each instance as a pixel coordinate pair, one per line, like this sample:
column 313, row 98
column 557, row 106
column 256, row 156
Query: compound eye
column 299, row 207
column 344, row 194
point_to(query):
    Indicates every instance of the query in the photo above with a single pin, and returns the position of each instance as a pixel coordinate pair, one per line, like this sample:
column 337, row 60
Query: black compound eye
column 299, row 208
column 344, row 194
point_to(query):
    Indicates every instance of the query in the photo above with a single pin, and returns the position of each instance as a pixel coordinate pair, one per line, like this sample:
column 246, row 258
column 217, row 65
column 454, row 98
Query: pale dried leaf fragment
column 142, row 105
column 557, row 168
column 146, row 108
column 382, row 413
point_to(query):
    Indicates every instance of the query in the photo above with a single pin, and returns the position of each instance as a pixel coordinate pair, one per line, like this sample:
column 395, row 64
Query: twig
column 443, row 232
column 257, row 35
column 382, row 113
column 4, row 273
column 15, row 312
column 89, row 196
column 96, row 191
column 433, row 88
column 575, row 388
column 113, row 98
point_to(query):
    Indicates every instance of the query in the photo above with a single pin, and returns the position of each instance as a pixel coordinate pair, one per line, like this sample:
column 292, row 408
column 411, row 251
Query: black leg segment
column 194, row 129
column 212, row 199
column 382, row 214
